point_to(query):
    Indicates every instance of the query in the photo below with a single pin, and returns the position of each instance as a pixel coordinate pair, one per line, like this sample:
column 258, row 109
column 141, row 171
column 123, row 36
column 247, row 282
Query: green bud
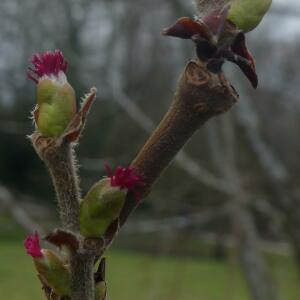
column 247, row 14
column 51, row 269
column 56, row 107
column 55, row 97
column 103, row 203
column 54, row 273
column 100, row 290
column 100, row 207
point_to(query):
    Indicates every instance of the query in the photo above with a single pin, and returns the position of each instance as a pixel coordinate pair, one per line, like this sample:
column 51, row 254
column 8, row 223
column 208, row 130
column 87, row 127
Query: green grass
column 134, row 276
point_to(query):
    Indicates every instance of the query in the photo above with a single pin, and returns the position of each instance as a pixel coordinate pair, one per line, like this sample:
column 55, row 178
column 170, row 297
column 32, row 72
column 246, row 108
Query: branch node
column 195, row 75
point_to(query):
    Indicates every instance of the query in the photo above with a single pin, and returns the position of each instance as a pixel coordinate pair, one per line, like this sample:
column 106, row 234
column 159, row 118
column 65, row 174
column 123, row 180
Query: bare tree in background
column 99, row 38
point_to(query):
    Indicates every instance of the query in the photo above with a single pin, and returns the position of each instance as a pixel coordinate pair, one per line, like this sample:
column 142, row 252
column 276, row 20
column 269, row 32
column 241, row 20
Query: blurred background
column 223, row 222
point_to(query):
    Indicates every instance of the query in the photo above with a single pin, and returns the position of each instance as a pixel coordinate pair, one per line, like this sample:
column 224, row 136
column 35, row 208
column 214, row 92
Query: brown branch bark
column 183, row 160
column 60, row 162
column 82, row 279
column 200, row 96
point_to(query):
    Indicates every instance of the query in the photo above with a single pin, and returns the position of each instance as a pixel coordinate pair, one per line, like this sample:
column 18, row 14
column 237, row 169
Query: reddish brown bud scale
column 186, row 28
column 217, row 40
column 249, row 69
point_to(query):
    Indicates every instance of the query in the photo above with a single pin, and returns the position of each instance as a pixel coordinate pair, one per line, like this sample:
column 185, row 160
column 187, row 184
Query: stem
column 60, row 162
column 200, row 95
column 82, row 284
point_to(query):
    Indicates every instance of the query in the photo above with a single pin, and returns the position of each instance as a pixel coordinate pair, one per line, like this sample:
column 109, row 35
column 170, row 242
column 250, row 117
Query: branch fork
column 200, row 95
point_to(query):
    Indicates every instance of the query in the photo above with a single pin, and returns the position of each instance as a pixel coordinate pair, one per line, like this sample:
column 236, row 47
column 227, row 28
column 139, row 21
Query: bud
column 55, row 96
column 216, row 40
column 51, row 269
column 100, row 290
column 100, row 284
column 104, row 201
column 247, row 14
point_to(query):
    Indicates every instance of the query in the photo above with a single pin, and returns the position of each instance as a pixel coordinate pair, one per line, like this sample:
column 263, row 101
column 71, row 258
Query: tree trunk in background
column 252, row 261
column 247, row 241
column 277, row 173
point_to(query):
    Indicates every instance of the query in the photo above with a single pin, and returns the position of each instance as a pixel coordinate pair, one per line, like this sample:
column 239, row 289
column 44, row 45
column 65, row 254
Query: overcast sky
column 287, row 14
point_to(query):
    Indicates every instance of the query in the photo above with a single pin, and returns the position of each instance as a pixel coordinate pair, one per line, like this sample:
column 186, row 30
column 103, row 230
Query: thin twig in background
column 244, row 229
column 285, row 200
column 19, row 214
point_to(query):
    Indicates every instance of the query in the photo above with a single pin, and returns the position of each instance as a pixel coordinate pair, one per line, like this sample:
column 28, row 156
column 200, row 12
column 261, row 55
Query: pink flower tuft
column 125, row 178
column 32, row 246
column 47, row 63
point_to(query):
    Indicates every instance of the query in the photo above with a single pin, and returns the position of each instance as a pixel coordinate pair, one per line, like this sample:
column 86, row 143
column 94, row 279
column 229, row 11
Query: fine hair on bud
column 205, row 6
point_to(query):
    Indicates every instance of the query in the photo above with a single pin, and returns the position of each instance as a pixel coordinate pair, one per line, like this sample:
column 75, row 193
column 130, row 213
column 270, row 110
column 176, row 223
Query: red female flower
column 125, row 178
column 32, row 245
column 46, row 65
